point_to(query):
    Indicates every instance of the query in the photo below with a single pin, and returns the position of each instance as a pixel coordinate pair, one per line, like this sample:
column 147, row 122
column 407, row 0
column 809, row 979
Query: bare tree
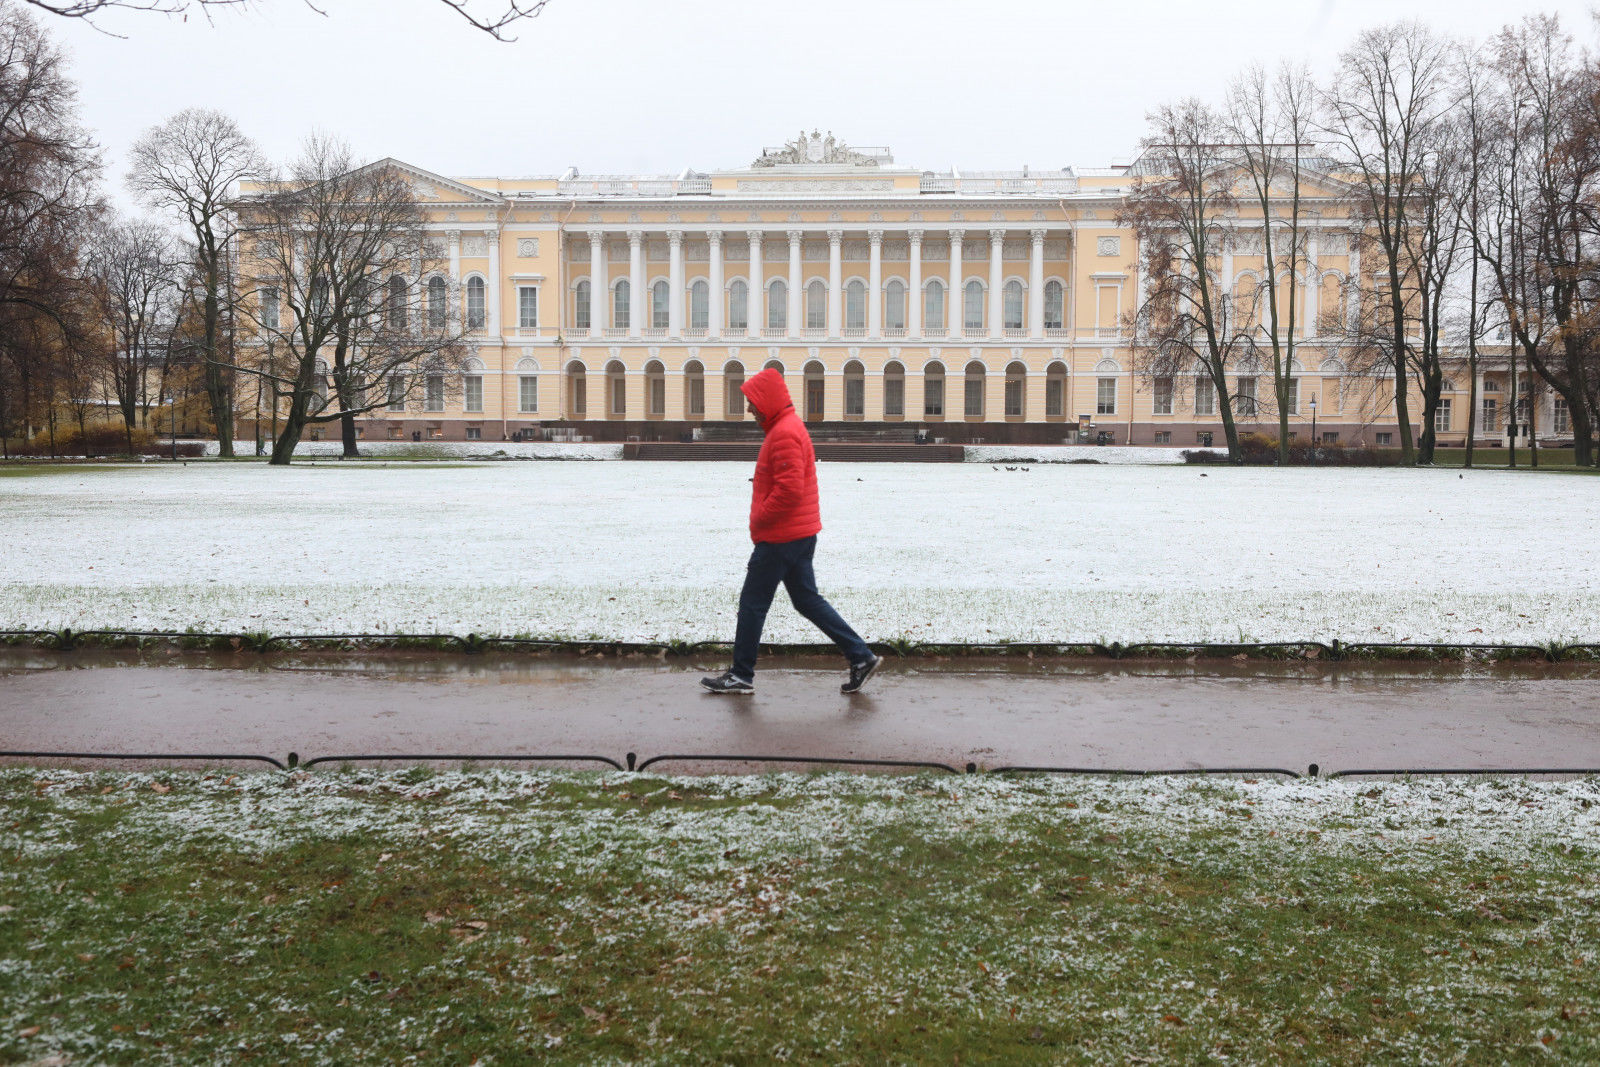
column 189, row 166
column 347, row 291
column 1188, row 323
column 496, row 17
column 133, row 273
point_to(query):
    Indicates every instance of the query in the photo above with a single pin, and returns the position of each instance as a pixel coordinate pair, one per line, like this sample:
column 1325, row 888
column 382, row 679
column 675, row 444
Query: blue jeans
column 790, row 563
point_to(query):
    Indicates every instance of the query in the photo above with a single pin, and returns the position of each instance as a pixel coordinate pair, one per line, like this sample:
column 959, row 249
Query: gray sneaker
column 859, row 673
column 727, row 682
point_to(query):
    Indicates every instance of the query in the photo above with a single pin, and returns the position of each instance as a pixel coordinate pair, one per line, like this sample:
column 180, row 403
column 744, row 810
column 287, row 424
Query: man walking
column 785, row 519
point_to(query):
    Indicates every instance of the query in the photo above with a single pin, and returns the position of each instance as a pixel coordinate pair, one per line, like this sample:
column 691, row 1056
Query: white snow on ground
column 1078, row 454
column 958, row 552
column 448, row 449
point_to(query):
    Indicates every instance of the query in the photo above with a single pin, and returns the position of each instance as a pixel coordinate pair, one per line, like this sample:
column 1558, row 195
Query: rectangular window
column 1012, row 310
column 619, row 395
column 621, row 307
column 1163, row 402
column 658, row 396
column 894, row 316
column 1163, row 437
column 972, row 319
column 855, row 396
column 1560, row 415
column 816, row 308
column 269, row 308
column 1053, row 396
column 1205, row 395
column 397, row 393
column 528, row 307
column 933, row 398
column 1014, row 397
column 1330, row 437
column 580, row 394
column 697, row 395
column 1244, row 401
column 933, row 308
column 1441, row 417
column 527, row 393
column 974, row 398
column 472, row 392
column 894, row 397
column 580, row 312
column 1384, row 439
column 1491, row 415
column 474, row 433
column 433, row 393
column 738, row 307
column 1294, row 396
column 735, row 397
column 660, row 306
column 1106, row 396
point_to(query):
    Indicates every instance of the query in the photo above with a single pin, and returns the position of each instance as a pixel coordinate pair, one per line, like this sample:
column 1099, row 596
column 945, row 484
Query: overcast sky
column 631, row 86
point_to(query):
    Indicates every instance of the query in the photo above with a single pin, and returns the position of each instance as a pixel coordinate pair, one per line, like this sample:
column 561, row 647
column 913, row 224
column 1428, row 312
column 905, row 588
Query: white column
column 454, row 239
column 1313, row 286
column 796, row 237
column 636, row 304
column 875, row 284
column 758, row 286
column 718, row 297
column 914, row 293
column 835, row 282
column 997, row 241
column 1036, row 286
column 599, row 285
column 953, row 300
column 496, row 283
column 675, row 283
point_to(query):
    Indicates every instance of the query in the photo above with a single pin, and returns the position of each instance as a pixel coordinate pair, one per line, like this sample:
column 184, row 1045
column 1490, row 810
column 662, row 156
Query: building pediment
column 816, row 148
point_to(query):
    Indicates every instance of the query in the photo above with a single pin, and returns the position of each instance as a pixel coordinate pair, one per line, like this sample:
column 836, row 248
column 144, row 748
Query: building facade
column 971, row 306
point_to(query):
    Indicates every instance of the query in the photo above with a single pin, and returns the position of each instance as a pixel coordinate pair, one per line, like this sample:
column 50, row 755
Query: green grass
column 504, row 917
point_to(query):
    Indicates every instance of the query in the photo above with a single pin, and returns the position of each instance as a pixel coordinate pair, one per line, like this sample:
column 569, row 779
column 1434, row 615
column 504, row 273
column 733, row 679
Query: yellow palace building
column 973, row 306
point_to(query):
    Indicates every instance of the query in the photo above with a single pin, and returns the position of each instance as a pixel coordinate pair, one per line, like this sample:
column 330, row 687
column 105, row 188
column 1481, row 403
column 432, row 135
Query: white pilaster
column 796, row 239
column 758, row 286
column 875, row 284
column 718, row 297
column 835, row 282
column 496, row 283
column 453, row 237
column 914, row 294
column 675, row 283
column 636, row 304
column 997, row 279
column 954, row 304
column 1313, row 286
column 1036, row 285
column 599, row 284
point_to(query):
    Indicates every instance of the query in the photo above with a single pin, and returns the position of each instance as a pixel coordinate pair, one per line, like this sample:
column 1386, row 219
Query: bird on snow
column 1203, row 474
column 1011, row 468
column 993, row 467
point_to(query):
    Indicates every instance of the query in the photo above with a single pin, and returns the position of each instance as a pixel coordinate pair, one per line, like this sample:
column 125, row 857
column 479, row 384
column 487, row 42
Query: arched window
column 581, row 307
column 655, row 389
column 738, row 306
column 972, row 314
column 732, row 381
column 1055, row 390
column 815, row 384
column 475, row 293
column 973, row 406
column 933, row 390
column 616, row 389
column 660, row 305
column 694, row 389
column 577, row 389
column 894, row 306
column 855, row 389
column 621, row 305
column 933, row 306
column 397, row 303
column 894, row 390
column 778, row 305
column 1016, row 377
column 855, row 305
column 699, row 306
column 1012, row 310
column 1054, row 306
column 816, row 305
column 438, row 295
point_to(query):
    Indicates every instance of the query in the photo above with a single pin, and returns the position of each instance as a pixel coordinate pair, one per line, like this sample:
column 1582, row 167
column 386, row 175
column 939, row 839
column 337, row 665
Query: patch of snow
column 1108, row 454
column 450, row 450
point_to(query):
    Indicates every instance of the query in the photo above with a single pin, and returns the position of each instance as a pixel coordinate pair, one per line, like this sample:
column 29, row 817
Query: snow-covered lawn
column 653, row 551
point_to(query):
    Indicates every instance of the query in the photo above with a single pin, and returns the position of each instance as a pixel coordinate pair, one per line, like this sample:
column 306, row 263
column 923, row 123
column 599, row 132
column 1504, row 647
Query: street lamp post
column 1313, row 428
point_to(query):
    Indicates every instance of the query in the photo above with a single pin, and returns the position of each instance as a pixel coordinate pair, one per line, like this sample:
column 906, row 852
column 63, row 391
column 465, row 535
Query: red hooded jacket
column 783, row 505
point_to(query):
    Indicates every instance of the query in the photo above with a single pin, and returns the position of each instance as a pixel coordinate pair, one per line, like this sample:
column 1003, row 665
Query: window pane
column 1205, row 396
column 973, row 319
column 697, row 395
column 1052, row 396
column 1106, row 397
column 1163, row 390
column 528, row 393
column 778, row 306
column 739, row 306
column 475, row 303
column 699, row 306
column 816, row 306
column 580, row 394
column 658, row 395
column 659, row 305
column 1245, row 400
column 434, row 393
column 933, row 397
column 436, row 302
column 269, row 308
column 1013, row 306
column 619, row 395
column 894, row 396
column 735, row 397
column 472, row 392
column 1013, row 397
column 621, row 307
column 974, row 398
column 397, row 393
column 855, row 396
column 855, row 306
column 528, row 307
column 397, row 303
column 1053, row 306
column 895, row 313
column 580, row 316
column 933, row 308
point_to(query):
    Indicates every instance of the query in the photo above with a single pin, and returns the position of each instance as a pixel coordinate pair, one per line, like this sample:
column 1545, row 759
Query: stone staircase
column 827, row 451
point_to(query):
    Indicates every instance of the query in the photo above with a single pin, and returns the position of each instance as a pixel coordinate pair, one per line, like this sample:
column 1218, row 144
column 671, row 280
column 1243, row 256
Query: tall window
column 1016, row 375
column 1013, row 305
column 397, row 303
column 933, row 393
column 1491, row 415
column 732, row 382
column 438, row 295
column 319, row 298
column 699, row 306
column 1560, row 415
column 621, row 305
column 694, row 388
column 269, row 308
column 528, row 307
column 475, row 304
column 582, row 314
column 397, row 392
column 1294, row 396
column 1163, row 401
column 527, row 393
column 778, row 305
column 1105, row 396
column 433, row 393
column 655, row 388
column 1055, row 390
column 817, row 306
column 617, row 388
column 1441, row 416
column 973, row 317
column 855, row 306
column 1054, row 306
column 855, row 389
column 973, row 408
column 933, row 306
column 738, row 306
column 1205, row 395
column 894, row 391
column 472, row 392
column 894, row 312
column 660, row 305
column 1245, row 399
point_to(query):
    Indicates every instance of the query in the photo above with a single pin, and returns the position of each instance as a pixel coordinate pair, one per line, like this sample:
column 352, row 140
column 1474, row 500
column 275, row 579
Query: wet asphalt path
column 993, row 713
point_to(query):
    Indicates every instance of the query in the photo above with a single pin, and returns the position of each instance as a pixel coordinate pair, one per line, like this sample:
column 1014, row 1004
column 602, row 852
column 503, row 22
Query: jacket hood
column 768, row 395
